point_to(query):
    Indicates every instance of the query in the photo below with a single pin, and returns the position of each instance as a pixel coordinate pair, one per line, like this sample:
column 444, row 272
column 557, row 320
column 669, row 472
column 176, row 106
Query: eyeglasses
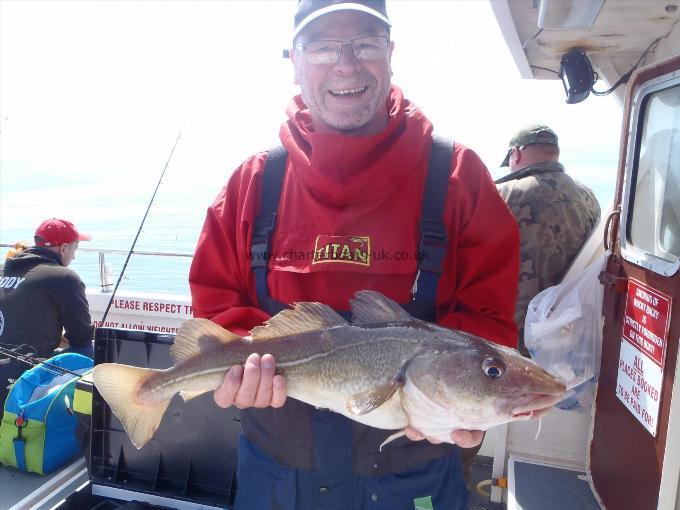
column 329, row 51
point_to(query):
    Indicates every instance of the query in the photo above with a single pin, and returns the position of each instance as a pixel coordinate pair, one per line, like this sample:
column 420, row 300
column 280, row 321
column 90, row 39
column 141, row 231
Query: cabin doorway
column 634, row 456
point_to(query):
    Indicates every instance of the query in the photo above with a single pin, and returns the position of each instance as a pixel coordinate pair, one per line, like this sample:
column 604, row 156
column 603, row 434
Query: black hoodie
column 38, row 299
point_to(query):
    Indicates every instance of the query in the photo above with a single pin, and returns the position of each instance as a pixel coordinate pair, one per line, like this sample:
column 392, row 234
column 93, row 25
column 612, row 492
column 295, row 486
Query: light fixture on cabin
column 576, row 73
column 568, row 13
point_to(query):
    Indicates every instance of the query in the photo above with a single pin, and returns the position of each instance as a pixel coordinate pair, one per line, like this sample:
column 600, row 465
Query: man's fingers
column 245, row 396
column 413, row 434
column 463, row 438
column 279, row 391
column 253, row 385
column 467, row 438
column 263, row 396
column 225, row 394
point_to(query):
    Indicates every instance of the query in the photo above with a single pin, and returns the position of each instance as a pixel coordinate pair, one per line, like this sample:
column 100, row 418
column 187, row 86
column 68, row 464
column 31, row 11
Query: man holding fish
column 356, row 168
column 384, row 216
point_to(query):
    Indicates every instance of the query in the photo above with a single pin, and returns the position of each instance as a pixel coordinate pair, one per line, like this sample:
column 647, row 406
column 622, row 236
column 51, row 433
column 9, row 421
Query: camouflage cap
column 530, row 135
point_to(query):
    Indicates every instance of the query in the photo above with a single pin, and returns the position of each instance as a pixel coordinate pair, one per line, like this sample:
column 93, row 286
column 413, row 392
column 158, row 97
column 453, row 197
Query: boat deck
column 480, row 471
column 22, row 491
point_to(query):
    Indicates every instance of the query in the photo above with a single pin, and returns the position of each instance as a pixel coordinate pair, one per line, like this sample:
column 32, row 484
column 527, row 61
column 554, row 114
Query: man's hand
column 463, row 438
column 252, row 385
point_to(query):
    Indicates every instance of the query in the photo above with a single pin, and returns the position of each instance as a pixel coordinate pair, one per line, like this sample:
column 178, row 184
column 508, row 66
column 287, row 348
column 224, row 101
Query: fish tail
column 119, row 385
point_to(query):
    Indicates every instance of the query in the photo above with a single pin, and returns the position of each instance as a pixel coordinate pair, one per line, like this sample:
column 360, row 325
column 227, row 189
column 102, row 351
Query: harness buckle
column 259, row 254
column 433, row 242
column 259, row 249
column 264, row 222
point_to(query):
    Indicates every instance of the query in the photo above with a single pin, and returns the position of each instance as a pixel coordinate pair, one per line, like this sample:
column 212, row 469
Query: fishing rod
column 141, row 225
column 34, row 362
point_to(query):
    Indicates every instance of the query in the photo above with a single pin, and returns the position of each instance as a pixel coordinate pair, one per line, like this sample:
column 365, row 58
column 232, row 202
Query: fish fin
column 188, row 395
column 365, row 402
column 369, row 307
column 118, row 384
column 391, row 438
column 538, row 431
column 302, row 318
column 198, row 335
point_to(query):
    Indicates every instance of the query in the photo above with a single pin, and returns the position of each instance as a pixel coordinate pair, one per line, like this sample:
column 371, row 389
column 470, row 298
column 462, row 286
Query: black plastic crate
column 189, row 463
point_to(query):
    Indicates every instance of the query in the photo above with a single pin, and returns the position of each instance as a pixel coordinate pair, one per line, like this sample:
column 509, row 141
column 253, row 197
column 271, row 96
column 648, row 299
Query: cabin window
column 655, row 223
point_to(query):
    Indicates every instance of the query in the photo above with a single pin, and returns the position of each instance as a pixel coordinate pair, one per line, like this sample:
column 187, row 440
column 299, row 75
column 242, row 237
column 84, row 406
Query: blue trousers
column 264, row 484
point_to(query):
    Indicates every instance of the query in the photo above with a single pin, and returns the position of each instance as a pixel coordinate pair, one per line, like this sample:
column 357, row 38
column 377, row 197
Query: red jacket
column 348, row 220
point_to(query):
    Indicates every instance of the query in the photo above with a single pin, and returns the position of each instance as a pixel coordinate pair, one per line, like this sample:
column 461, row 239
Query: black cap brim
column 506, row 161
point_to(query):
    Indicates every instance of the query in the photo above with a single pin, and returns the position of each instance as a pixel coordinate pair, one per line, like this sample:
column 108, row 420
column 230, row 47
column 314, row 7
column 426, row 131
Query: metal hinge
column 620, row 283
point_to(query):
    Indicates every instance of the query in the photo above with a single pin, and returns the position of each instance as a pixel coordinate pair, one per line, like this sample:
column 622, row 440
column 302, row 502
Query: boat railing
column 105, row 273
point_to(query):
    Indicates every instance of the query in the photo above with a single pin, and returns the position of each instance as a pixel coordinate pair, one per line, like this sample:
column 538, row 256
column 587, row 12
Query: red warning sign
column 646, row 321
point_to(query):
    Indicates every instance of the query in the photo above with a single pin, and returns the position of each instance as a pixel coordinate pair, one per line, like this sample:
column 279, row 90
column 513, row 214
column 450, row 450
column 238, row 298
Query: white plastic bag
column 563, row 333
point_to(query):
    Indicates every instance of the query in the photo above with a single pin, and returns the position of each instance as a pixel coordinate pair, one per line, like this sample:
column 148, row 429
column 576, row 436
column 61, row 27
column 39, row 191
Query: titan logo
column 342, row 249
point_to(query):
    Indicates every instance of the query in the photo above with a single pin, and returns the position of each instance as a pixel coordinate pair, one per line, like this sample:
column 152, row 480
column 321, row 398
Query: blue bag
column 38, row 424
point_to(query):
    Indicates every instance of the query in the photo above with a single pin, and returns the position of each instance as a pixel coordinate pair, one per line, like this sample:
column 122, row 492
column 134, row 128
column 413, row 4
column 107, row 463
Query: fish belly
column 427, row 416
column 363, row 362
column 388, row 416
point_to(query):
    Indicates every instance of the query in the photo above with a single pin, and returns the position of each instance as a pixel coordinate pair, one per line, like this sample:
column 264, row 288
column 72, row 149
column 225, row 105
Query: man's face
column 348, row 96
column 67, row 252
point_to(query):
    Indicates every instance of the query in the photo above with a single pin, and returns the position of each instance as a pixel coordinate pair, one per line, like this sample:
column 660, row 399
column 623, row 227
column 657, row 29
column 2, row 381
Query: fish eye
column 493, row 368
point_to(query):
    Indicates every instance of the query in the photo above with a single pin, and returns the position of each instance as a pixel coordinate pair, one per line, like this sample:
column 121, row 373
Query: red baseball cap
column 55, row 232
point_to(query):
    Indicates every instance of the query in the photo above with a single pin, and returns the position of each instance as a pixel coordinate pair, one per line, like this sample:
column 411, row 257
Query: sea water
column 112, row 213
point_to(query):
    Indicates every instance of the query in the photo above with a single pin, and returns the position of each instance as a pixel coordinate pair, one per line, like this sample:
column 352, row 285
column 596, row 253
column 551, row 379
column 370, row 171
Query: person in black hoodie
column 42, row 301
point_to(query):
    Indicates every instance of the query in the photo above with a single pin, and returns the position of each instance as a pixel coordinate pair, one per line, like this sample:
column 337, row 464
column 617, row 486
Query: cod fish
column 384, row 369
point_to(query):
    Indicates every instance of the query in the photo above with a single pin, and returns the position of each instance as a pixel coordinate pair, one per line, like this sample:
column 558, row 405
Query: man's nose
column 348, row 62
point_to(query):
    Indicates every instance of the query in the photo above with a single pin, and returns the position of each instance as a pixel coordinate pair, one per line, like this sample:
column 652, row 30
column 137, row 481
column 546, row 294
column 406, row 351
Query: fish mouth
column 534, row 404
column 529, row 405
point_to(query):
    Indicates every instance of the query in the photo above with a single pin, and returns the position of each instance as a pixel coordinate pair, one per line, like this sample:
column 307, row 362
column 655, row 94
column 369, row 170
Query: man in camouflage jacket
column 555, row 213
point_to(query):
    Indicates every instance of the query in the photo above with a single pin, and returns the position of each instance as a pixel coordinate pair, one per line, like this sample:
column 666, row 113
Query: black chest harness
column 433, row 239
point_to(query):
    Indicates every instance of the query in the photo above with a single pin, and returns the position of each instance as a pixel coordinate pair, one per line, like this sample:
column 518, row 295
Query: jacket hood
column 31, row 257
column 344, row 169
